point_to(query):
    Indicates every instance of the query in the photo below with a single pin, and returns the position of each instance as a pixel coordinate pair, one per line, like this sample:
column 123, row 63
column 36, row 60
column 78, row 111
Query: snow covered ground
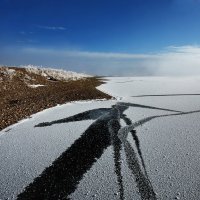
column 144, row 145
column 35, row 85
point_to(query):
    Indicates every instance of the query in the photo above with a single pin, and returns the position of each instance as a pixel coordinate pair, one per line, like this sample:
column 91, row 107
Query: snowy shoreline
column 25, row 91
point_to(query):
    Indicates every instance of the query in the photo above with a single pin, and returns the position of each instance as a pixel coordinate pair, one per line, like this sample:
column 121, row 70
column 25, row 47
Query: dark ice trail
column 87, row 115
column 165, row 95
column 61, row 179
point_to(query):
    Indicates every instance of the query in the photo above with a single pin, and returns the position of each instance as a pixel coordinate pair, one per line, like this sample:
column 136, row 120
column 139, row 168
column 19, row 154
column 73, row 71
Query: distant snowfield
column 92, row 148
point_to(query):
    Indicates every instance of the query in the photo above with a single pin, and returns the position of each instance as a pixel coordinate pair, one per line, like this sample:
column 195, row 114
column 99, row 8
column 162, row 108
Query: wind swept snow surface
column 145, row 145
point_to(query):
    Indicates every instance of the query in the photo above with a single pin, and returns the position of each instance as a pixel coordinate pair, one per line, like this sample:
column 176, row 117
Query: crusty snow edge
column 57, row 74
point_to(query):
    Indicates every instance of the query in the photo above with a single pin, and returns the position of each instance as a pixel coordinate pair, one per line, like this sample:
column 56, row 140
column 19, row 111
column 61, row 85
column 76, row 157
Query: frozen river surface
column 143, row 145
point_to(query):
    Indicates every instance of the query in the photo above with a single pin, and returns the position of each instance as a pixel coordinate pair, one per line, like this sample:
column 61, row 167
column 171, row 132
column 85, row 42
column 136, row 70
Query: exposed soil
column 18, row 100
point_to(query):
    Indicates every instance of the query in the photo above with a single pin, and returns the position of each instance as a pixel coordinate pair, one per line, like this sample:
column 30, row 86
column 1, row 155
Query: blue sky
column 110, row 37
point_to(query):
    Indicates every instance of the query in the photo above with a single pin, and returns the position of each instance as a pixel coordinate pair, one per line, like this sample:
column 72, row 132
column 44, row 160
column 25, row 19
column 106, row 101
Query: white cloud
column 26, row 41
column 173, row 60
column 183, row 60
column 22, row 32
column 88, row 54
column 61, row 28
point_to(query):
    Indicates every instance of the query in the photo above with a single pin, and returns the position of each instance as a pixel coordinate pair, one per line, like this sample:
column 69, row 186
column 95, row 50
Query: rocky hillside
column 24, row 91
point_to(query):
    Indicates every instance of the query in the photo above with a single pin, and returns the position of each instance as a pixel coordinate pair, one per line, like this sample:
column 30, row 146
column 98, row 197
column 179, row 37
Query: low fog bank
column 173, row 61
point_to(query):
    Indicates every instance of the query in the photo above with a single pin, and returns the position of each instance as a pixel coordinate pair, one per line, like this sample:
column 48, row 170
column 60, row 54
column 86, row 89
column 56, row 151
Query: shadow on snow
column 60, row 179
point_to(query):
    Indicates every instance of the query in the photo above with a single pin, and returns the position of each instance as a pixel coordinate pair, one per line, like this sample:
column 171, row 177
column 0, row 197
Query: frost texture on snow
column 55, row 73
column 146, row 142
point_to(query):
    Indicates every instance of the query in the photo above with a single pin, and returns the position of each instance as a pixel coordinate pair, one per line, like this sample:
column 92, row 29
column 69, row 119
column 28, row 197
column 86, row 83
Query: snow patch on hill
column 57, row 74
column 35, row 85
column 7, row 72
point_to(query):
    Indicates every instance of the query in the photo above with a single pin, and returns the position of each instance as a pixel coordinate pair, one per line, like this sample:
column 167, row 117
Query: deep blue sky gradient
column 123, row 26
column 100, row 25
